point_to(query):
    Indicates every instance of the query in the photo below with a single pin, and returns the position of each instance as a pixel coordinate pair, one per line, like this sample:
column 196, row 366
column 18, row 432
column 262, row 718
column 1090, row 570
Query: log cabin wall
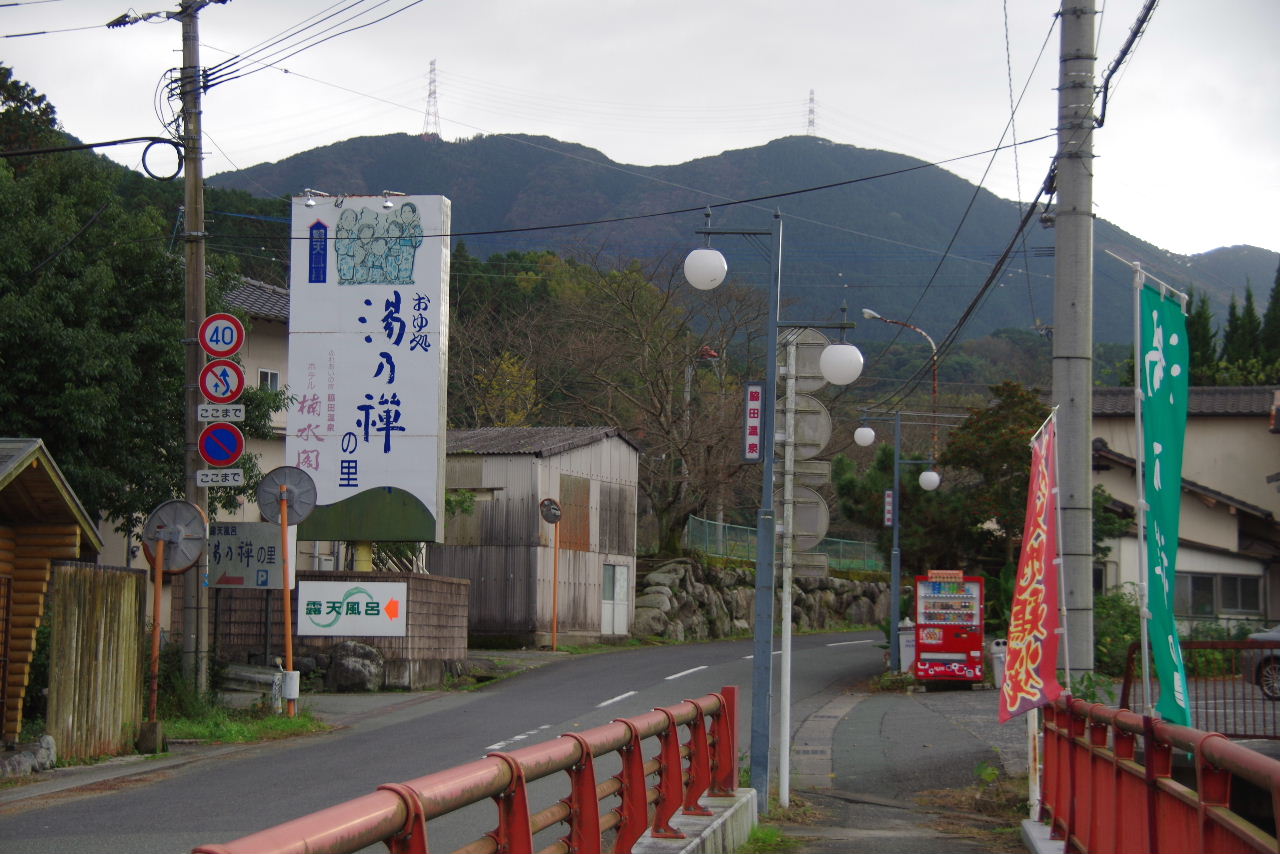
column 27, row 553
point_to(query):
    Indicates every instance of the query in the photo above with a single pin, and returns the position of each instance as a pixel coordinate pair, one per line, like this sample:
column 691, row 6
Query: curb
column 723, row 832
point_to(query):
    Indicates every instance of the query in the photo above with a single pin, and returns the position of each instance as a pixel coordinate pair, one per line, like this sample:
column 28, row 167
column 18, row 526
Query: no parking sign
column 221, row 444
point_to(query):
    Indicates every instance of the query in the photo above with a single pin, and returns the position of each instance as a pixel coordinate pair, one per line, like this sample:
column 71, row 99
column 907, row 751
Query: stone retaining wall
column 683, row 600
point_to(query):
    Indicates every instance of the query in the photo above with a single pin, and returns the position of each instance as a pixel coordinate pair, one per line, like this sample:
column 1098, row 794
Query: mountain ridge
column 872, row 233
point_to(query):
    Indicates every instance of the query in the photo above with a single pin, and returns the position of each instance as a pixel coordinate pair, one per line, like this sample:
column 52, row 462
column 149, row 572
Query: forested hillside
column 874, row 237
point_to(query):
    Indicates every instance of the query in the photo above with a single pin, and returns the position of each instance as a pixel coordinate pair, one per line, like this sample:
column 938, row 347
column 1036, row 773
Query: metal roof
column 539, row 441
column 260, row 300
column 34, row 491
column 1202, row 400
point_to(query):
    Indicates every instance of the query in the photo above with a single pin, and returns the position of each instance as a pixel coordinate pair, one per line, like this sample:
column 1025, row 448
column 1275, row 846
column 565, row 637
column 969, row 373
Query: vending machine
column 949, row 627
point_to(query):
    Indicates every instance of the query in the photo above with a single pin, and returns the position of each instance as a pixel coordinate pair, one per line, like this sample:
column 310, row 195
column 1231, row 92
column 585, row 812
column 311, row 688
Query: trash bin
column 997, row 652
column 906, row 645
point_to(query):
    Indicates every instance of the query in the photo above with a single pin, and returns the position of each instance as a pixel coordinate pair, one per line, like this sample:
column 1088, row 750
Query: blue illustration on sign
column 318, row 253
column 375, row 248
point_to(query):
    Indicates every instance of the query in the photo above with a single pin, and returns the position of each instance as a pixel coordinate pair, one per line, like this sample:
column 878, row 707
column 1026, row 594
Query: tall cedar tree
column 1270, row 335
column 1241, row 338
column 1202, row 340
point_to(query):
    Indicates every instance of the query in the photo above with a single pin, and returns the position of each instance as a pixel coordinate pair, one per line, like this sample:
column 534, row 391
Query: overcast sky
column 1187, row 159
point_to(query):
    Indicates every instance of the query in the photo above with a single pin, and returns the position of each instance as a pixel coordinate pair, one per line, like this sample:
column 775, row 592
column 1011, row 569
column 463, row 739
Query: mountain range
column 862, row 227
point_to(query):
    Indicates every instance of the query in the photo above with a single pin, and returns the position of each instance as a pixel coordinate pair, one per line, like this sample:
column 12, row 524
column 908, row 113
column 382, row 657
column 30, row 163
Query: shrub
column 1115, row 626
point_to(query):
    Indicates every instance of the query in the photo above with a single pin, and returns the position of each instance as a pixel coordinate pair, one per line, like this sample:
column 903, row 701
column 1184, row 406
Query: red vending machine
column 949, row 627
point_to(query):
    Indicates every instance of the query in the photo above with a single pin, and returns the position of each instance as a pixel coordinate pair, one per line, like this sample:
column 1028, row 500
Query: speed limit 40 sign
column 221, row 335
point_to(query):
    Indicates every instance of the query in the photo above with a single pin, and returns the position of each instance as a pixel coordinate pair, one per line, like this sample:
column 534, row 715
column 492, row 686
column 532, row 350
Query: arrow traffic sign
column 221, row 381
column 221, row 444
column 221, row 334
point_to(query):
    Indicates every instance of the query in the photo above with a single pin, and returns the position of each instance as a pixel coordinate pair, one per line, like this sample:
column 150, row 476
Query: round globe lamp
column 705, row 268
column 840, row 364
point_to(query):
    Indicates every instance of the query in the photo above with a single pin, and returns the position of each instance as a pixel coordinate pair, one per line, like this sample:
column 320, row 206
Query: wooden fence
column 97, row 658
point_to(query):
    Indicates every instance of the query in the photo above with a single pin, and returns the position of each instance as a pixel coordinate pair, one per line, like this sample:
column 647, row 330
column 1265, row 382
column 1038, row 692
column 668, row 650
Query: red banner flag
column 1031, row 669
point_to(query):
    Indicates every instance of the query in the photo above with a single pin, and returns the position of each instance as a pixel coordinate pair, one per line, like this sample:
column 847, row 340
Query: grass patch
column 765, row 839
column 238, row 726
column 588, row 649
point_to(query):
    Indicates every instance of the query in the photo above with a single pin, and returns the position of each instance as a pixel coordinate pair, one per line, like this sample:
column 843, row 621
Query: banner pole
column 1140, row 455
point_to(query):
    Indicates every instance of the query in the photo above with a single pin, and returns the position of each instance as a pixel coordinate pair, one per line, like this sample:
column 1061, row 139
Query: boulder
column 354, row 666
column 658, row 578
column 649, row 622
column 657, row 601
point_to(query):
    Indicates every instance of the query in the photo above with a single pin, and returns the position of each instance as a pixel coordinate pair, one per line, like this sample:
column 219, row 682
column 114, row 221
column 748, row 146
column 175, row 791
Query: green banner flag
column 1165, row 371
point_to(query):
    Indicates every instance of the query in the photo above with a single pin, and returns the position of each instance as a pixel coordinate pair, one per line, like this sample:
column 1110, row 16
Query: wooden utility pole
column 195, row 614
column 1073, row 320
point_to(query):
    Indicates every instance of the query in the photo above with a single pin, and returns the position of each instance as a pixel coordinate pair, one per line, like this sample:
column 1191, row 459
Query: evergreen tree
column 1232, row 342
column 1270, row 335
column 1202, row 339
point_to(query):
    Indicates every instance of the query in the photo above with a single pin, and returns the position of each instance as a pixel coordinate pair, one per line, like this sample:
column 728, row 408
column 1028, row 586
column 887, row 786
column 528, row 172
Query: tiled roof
column 260, row 300
column 1203, row 400
column 539, row 441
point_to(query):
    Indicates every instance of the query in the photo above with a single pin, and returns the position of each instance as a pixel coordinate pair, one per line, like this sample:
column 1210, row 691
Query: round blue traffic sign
column 221, row 444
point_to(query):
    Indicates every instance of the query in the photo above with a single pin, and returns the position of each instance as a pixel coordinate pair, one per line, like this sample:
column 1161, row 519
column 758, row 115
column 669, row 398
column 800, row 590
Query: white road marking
column 502, row 744
column 686, row 672
column 614, row 700
column 851, row 643
column 749, row 657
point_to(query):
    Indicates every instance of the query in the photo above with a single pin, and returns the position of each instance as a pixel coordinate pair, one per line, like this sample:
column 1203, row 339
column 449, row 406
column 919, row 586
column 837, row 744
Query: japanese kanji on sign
column 367, row 330
column 352, row 609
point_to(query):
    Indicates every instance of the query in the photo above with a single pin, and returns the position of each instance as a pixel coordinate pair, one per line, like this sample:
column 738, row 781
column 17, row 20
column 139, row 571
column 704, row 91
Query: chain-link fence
column 737, row 541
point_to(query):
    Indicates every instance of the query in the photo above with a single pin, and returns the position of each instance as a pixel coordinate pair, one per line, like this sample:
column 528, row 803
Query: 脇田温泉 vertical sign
column 368, row 345
column 1164, row 361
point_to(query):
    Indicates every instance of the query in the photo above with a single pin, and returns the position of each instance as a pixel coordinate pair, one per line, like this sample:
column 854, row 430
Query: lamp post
column 705, row 268
column 933, row 363
column 929, row 481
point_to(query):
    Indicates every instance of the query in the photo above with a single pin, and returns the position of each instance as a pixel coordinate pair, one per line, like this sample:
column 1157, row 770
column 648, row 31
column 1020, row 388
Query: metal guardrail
column 398, row 814
column 1233, row 687
column 1112, row 783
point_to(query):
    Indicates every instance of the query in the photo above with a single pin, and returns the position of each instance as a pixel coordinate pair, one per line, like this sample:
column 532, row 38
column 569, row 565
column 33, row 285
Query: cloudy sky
column 1186, row 159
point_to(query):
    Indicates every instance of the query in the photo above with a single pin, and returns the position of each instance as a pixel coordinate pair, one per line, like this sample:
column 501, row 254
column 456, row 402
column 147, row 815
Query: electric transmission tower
column 811, row 130
column 431, row 121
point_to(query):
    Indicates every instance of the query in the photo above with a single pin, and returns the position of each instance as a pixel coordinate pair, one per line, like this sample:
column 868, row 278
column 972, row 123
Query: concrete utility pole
column 1073, row 320
column 195, row 595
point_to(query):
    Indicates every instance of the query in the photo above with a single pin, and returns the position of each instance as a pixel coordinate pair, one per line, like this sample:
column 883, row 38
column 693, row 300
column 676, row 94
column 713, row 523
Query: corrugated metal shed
column 507, row 552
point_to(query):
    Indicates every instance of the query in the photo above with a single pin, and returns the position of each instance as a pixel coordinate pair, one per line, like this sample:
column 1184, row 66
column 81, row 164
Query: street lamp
column 929, row 481
column 840, row 364
column 933, row 364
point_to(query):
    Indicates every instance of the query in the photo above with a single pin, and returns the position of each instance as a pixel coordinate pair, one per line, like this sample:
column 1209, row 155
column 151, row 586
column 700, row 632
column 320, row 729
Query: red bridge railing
column 1115, row 781
column 398, row 814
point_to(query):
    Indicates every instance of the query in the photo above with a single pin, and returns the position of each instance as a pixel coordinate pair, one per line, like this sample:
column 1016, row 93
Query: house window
column 1240, row 593
column 1200, row 595
column 269, row 380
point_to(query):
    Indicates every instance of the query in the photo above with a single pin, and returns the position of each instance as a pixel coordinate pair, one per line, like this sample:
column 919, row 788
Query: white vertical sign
column 368, row 345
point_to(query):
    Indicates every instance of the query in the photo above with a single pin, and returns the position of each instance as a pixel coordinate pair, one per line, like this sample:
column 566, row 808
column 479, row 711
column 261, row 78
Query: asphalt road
column 228, row 796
